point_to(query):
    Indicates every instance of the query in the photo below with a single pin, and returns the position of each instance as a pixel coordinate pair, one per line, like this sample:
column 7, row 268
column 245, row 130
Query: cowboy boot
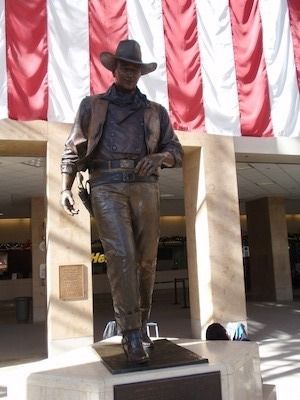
column 133, row 347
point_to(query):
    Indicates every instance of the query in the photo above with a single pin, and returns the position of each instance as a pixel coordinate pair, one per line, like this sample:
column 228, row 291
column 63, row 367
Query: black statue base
column 165, row 354
column 190, row 387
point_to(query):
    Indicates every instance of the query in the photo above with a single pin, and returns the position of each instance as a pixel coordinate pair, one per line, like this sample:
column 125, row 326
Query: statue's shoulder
column 98, row 99
column 94, row 97
column 92, row 101
column 153, row 106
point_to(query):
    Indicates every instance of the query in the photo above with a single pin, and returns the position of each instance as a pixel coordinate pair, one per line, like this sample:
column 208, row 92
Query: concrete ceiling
column 24, row 177
column 21, row 179
column 263, row 179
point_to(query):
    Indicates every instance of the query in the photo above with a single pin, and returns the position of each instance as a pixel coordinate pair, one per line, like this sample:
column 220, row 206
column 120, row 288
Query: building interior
column 24, row 178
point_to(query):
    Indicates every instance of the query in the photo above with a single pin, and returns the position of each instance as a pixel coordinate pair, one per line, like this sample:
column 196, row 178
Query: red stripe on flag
column 294, row 11
column 27, row 59
column 108, row 25
column 252, row 81
column 183, row 64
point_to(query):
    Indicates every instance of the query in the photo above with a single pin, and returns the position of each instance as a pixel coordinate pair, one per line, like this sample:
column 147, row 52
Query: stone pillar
column 215, row 261
column 38, row 259
column 270, row 271
column 70, row 322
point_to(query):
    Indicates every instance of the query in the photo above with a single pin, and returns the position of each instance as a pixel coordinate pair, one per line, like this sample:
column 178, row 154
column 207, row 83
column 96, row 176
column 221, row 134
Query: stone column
column 38, row 258
column 215, row 261
column 270, row 271
column 70, row 322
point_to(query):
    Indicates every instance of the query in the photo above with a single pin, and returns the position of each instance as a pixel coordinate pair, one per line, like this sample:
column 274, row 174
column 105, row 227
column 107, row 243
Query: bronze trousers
column 127, row 219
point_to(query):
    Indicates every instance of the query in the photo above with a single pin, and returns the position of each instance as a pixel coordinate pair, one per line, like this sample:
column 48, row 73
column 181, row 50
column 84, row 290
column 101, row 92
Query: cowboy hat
column 129, row 51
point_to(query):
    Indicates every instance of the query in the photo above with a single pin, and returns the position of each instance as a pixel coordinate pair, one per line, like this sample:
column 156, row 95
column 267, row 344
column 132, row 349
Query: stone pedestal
column 81, row 375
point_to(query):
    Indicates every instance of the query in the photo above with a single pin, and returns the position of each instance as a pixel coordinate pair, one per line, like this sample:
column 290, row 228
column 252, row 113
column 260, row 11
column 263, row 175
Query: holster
column 86, row 200
column 84, row 194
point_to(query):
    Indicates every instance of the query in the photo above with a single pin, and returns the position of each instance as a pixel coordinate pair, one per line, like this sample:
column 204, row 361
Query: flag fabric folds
column 226, row 67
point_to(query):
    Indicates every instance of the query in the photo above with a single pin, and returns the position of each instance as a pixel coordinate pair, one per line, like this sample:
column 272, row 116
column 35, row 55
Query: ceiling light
column 167, row 195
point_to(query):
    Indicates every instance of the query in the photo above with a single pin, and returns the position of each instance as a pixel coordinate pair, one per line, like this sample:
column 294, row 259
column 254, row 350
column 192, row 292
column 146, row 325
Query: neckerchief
column 118, row 97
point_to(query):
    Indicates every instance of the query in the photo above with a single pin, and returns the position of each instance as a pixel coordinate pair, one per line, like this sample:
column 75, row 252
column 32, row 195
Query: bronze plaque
column 192, row 387
column 72, row 282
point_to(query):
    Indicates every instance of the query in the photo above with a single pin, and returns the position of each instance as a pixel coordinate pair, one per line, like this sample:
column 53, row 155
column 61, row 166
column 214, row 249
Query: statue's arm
column 70, row 156
column 169, row 152
column 169, row 143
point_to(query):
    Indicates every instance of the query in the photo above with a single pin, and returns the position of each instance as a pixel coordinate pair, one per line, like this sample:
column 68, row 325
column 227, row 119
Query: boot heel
column 133, row 347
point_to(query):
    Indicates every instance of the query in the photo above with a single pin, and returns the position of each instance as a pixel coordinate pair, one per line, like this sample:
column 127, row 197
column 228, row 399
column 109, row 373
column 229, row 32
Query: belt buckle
column 126, row 163
column 128, row 177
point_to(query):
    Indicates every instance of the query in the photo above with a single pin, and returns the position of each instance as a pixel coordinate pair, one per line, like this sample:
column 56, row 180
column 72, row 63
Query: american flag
column 227, row 67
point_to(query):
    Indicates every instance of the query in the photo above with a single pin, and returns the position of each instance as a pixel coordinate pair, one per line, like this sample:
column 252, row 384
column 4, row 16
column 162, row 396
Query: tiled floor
column 276, row 327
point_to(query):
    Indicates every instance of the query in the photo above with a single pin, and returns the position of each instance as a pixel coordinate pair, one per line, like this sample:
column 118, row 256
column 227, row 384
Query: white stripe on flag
column 220, row 98
column 145, row 24
column 3, row 73
column 68, row 64
column 280, row 64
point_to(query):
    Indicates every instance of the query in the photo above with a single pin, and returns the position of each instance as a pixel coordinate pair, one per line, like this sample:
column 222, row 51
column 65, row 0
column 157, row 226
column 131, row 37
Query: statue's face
column 127, row 75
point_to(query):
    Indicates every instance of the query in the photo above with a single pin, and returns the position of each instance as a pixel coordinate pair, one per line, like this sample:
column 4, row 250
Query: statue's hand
column 67, row 202
column 149, row 165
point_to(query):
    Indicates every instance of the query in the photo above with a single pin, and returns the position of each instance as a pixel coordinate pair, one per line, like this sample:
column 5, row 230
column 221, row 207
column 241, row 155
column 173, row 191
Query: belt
column 126, row 163
column 118, row 177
